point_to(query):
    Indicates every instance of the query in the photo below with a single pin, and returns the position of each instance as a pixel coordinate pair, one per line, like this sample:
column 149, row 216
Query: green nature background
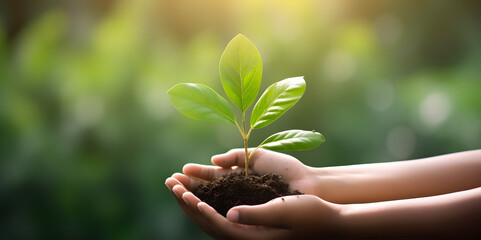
column 88, row 134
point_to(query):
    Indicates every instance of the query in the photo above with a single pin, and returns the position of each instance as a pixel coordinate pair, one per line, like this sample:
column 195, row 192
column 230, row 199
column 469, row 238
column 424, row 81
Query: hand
column 290, row 217
column 186, row 200
column 299, row 176
column 263, row 161
column 303, row 216
column 209, row 220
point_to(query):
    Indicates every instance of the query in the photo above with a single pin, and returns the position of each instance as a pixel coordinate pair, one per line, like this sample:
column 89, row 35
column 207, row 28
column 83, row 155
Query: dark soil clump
column 235, row 189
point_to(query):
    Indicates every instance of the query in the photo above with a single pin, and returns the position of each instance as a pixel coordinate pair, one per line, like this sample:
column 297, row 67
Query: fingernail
column 169, row 183
column 233, row 216
column 201, row 209
column 166, row 180
column 176, row 189
column 214, row 157
column 186, row 199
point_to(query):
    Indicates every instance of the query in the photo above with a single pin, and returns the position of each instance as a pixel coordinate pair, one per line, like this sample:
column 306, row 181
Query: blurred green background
column 88, row 135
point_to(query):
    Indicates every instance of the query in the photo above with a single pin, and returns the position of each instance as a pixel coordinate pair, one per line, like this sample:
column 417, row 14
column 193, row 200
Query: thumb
column 270, row 214
column 234, row 157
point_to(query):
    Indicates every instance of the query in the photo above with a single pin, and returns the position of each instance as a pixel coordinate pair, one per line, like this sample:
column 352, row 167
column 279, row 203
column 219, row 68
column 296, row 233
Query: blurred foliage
column 88, row 135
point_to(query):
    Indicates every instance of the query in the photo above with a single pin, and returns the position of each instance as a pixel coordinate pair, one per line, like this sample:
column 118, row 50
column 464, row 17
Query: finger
column 187, row 181
column 234, row 157
column 227, row 229
column 171, row 182
column 190, row 199
column 179, row 190
column 188, row 202
column 209, row 212
column 224, row 229
column 204, row 172
column 270, row 214
column 176, row 188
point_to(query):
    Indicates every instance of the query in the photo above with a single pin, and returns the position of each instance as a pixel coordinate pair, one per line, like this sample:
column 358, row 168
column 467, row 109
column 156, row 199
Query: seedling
column 240, row 72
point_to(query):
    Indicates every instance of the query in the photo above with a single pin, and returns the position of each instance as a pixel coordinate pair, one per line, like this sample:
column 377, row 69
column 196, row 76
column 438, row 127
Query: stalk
column 246, row 139
column 246, row 157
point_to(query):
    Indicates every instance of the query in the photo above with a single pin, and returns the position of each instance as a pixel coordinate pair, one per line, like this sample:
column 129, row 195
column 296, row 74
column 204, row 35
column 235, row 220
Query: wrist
column 348, row 220
column 327, row 183
column 334, row 222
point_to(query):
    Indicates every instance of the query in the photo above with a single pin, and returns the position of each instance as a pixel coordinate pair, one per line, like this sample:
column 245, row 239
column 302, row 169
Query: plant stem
column 246, row 157
column 246, row 139
column 240, row 130
column 250, row 155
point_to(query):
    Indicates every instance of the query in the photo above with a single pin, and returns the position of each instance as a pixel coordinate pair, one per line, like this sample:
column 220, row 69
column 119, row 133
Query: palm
column 291, row 170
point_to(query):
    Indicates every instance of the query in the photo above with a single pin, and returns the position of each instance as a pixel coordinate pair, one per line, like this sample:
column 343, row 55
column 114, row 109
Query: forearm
column 455, row 215
column 400, row 180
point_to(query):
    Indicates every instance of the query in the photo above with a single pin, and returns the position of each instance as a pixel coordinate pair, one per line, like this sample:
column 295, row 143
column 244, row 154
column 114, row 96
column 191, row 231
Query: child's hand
column 290, row 217
column 303, row 216
column 299, row 176
column 444, row 210
column 209, row 220
column 263, row 161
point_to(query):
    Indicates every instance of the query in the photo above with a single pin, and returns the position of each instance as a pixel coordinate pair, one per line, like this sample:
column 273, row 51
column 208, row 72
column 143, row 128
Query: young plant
column 240, row 71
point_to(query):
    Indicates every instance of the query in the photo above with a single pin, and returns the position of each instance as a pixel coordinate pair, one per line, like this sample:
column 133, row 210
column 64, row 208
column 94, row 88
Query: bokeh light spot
column 380, row 96
column 339, row 66
column 435, row 109
column 401, row 142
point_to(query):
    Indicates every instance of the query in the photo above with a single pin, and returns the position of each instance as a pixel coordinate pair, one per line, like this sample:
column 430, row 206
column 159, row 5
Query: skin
column 417, row 199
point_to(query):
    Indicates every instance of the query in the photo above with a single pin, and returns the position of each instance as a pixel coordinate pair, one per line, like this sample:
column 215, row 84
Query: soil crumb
column 235, row 189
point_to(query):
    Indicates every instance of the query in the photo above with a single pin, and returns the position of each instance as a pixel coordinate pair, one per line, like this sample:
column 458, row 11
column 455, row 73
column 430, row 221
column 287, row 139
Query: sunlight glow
column 435, row 109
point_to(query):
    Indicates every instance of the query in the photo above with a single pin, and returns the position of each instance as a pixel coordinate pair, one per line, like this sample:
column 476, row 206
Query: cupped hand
column 290, row 217
column 303, row 216
column 299, row 176
column 211, row 222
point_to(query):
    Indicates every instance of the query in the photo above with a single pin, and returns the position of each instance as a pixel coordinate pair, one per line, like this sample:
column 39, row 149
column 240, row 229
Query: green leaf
column 293, row 140
column 276, row 100
column 201, row 102
column 241, row 71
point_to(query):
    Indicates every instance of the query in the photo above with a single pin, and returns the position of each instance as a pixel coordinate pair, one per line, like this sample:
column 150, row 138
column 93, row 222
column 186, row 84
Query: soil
column 235, row 189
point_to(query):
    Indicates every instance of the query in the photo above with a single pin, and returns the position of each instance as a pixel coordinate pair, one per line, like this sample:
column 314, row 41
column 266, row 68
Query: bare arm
column 448, row 216
column 441, row 197
column 452, row 216
column 399, row 180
